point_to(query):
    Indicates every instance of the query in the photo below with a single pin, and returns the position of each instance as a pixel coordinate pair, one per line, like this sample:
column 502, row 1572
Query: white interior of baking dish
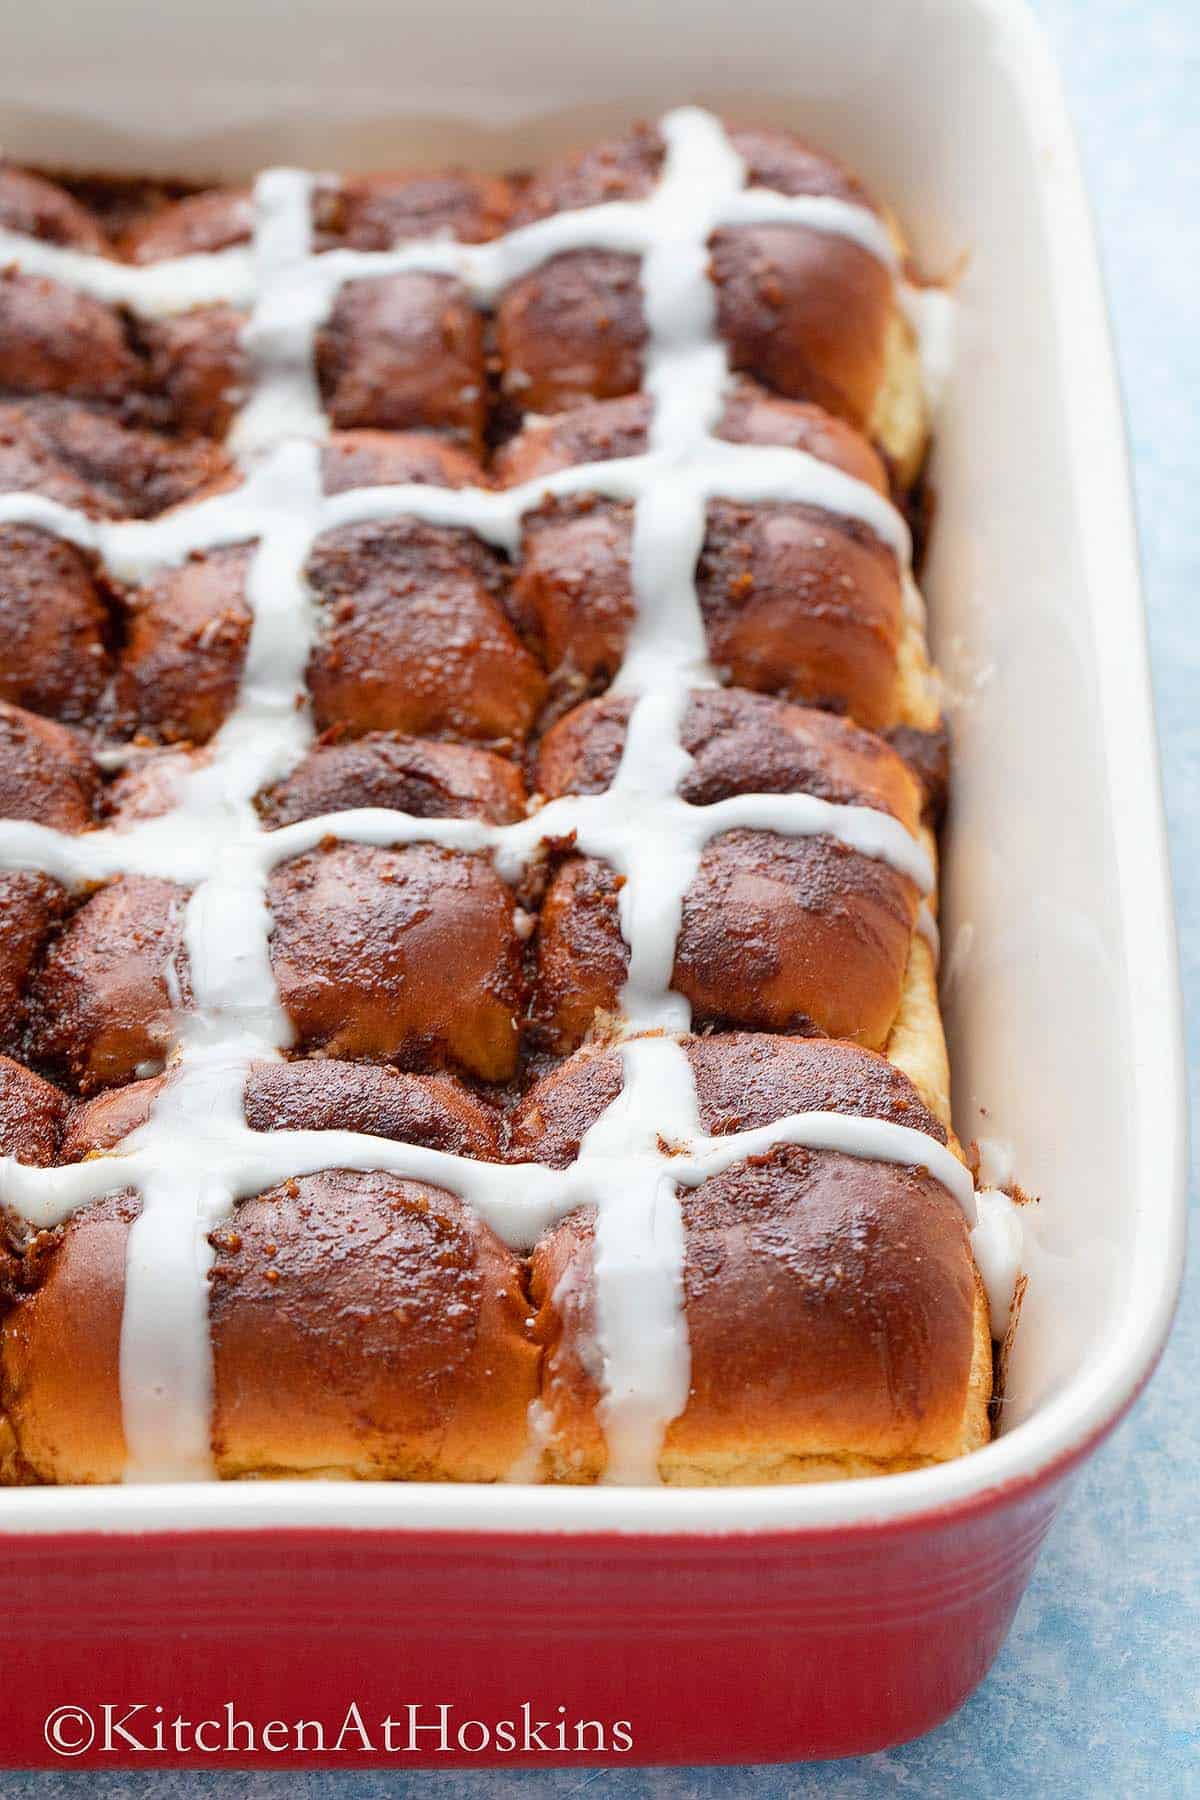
column 1059, row 966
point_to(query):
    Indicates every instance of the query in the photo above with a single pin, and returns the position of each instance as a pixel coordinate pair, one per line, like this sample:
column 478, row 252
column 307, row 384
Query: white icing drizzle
column 236, row 276
column 616, row 827
column 132, row 550
column 285, row 400
column 927, row 927
column 815, row 212
column 195, row 1157
column 997, row 1161
column 638, row 1254
column 998, row 1246
column 166, row 1357
column 932, row 316
column 871, row 1140
column 154, row 290
column 998, row 1240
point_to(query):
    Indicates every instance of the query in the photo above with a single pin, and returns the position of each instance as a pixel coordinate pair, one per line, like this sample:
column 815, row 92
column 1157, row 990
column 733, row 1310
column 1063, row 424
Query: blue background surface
column 1098, row 1688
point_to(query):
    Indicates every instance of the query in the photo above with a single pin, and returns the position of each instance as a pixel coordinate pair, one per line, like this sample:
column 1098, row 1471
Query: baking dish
column 830, row 1619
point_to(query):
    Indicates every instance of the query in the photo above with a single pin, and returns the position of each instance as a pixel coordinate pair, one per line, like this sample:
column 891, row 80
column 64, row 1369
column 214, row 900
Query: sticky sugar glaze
column 193, row 1156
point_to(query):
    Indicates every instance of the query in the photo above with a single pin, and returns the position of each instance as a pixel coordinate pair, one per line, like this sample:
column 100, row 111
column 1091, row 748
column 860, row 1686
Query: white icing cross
column 195, row 1157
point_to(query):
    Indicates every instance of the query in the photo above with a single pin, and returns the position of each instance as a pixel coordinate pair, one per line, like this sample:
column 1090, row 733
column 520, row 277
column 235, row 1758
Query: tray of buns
column 474, row 784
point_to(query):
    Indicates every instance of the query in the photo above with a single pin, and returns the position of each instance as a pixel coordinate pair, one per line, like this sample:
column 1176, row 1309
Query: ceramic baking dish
column 724, row 1625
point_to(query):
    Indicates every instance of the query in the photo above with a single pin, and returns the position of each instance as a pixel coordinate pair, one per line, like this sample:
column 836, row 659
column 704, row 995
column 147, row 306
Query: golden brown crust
column 815, row 1333
column 102, row 1004
column 47, row 773
column 832, row 1304
column 806, row 312
column 86, row 459
column 31, row 906
column 99, row 1123
column 917, row 1042
column 744, row 1080
column 38, row 208
column 32, row 1112
column 571, row 333
column 354, row 459
column 795, row 601
column 434, row 1384
column 599, row 432
column 435, row 1110
column 360, row 935
column 796, row 606
column 415, row 637
column 196, row 370
column 377, row 212
column 810, row 313
column 361, row 1325
column 754, row 416
column 405, row 352
column 183, row 373
column 624, row 168
column 778, row 933
column 60, row 1350
column 150, row 784
column 48, row 778
column 54, row 625
column 795, row 934
column 436, row 1381
column 740, row 743
column 408, row 954
column 57, row 340
column 763, row 920
column 186, row 634
column 198, row 224
column 428, row 779
column 581, row 957
column 572, row 592
column 782, row 161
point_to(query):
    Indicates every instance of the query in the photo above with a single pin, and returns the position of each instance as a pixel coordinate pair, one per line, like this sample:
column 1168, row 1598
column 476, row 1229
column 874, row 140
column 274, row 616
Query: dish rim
column 1066, row 1427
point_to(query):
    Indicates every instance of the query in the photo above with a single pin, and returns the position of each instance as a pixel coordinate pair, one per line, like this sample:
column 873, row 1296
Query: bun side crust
column 361, row 1325
column 454, row 661
column 836, row 1320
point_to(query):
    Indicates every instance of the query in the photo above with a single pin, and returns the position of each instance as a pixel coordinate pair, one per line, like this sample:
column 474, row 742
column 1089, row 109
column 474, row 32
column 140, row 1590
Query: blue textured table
column 1097, row 1691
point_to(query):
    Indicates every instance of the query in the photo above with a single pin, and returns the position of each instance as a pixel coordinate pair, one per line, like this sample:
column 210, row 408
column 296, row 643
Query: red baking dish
column 288, row 1623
